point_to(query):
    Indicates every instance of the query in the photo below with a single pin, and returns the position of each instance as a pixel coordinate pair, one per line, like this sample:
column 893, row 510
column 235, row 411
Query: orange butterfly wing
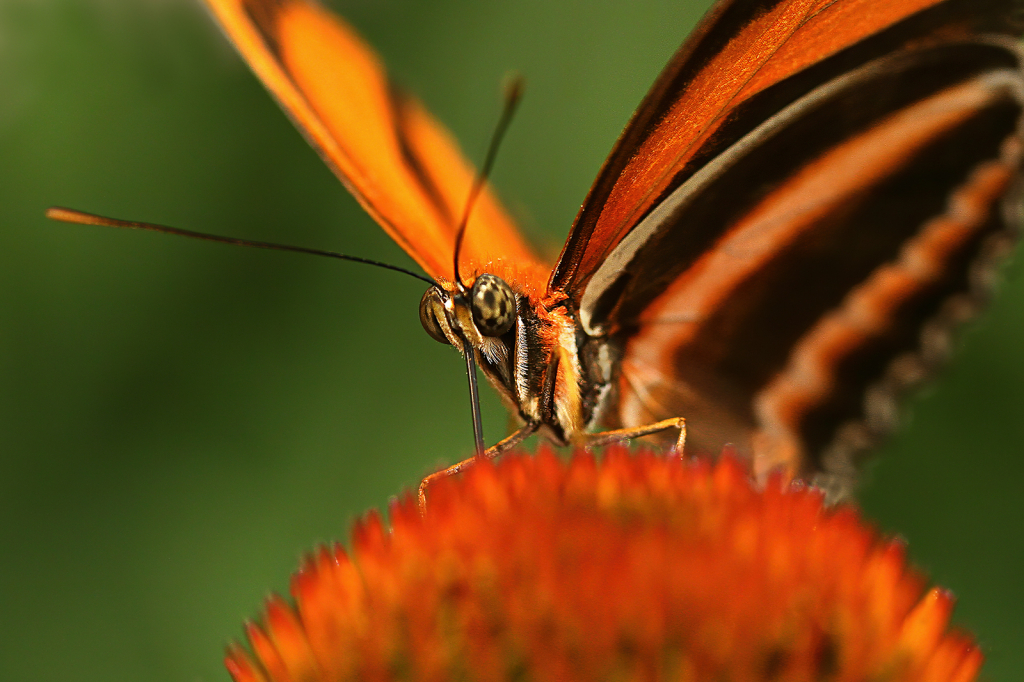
column 395, row 158
column 782, row 231
column 738, row 51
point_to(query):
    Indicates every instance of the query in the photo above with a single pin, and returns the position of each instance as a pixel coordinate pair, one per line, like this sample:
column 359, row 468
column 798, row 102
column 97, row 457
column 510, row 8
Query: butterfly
column 811, row 197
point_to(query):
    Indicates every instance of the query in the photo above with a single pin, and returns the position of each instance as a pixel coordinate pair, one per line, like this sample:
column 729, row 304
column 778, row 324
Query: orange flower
column 637, row 567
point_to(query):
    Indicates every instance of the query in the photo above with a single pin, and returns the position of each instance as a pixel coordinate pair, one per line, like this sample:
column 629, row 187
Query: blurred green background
column 179, row 421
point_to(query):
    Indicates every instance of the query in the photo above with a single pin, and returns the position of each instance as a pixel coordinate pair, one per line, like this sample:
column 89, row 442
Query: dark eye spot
column 429, row 305
column 493, row 305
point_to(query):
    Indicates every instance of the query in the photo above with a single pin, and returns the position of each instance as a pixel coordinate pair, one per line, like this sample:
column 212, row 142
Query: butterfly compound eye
column 430, row 306
column 494, row 305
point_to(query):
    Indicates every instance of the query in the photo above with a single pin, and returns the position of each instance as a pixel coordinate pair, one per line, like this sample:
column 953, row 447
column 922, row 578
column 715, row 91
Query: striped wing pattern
column 783, row 293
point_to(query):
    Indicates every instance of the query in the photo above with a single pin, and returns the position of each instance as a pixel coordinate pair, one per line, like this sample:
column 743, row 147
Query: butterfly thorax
column 546, row 370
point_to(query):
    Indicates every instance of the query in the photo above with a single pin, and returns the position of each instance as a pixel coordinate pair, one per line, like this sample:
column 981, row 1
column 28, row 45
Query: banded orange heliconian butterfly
column 811, row 196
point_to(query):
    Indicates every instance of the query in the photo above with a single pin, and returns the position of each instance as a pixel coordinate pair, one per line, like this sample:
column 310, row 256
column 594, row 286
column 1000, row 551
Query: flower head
column 634, row 567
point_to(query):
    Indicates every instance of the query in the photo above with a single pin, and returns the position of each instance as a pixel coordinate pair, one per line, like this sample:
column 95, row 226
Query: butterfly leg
column 498, row 448
column 606, row 437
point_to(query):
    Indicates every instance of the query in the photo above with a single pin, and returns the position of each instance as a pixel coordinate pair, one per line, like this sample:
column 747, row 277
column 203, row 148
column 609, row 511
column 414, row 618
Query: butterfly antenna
column 69, row 215
column 513, row 93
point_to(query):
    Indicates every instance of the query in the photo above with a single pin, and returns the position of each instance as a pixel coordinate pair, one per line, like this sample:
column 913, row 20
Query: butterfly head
column 477, row 314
